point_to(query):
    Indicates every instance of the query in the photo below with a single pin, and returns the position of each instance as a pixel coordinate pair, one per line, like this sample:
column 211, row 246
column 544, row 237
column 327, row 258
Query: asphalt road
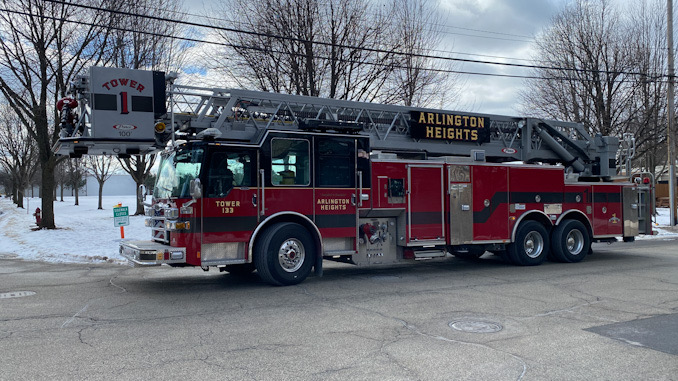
column 612, row 317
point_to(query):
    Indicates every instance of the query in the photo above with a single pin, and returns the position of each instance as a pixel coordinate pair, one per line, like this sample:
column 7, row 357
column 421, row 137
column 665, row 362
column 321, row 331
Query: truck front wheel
column 284, row 254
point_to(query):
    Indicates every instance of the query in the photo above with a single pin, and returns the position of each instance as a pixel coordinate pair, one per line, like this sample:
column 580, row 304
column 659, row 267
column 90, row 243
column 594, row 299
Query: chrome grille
column 158, row 232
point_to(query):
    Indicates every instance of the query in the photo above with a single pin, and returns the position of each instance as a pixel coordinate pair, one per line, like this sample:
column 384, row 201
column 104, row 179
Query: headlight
column 171, row 213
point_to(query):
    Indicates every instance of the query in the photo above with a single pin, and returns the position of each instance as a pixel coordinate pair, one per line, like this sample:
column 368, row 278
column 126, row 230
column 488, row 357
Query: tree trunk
column 48, row 165
column 101, row 193
column 19, row 198
column 77, row 201
column 140, row 206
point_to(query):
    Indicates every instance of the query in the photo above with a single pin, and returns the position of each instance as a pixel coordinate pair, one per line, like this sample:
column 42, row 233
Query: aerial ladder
column 180, row 112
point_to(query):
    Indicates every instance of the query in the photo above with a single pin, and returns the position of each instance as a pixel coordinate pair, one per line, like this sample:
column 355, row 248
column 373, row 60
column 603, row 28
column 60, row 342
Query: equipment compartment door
column 425, row 205
column 461, row 200
column 607, row 211
column 490, row 203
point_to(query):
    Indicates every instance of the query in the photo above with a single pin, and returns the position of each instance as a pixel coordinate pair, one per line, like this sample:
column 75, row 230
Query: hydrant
column 38, row 216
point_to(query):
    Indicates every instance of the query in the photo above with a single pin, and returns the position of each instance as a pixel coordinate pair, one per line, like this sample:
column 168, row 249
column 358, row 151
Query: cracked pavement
column 109, row 321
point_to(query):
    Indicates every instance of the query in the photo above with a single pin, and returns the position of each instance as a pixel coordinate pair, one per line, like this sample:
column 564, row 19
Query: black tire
column 284, row 254
column 240, row 270
column 570, row 242
column 469, row 253
column 531, row 246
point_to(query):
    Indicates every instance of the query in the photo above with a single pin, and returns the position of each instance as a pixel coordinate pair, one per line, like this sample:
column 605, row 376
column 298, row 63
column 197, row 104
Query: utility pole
column 670, row 133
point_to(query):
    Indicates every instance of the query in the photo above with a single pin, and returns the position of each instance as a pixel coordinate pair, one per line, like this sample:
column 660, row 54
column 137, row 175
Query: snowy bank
column 83, row 234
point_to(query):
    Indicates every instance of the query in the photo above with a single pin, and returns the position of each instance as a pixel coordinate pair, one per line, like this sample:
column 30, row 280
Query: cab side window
column 335, row 163
column 290, row 162
column 228, row 170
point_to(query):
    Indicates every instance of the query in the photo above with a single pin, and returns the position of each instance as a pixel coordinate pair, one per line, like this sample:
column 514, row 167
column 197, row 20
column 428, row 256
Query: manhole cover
column 16, row 294
column 475, row 326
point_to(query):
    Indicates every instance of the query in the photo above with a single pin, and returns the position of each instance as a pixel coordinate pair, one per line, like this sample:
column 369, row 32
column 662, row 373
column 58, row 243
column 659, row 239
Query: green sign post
column 121, row 218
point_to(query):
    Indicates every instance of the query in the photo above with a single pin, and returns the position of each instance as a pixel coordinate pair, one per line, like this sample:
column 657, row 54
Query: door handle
column 263, row 193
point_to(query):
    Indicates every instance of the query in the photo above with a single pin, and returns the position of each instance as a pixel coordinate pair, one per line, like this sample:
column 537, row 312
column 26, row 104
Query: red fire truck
column 278, row 183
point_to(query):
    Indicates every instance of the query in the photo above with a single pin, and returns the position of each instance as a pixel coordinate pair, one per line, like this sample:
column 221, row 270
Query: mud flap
column 318, row 267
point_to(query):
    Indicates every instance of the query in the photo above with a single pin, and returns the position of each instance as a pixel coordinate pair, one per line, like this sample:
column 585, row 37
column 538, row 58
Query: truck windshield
column 176, row 172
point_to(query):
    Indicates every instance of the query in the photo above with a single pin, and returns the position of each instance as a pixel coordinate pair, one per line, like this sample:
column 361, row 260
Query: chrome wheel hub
column 533, row 244
column 291, row 255
column 574, row 242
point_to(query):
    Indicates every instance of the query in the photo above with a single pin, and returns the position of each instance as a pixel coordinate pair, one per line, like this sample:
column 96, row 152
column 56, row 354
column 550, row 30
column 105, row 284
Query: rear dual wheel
column 571, row 241
column 284, row 254
column 531, row 246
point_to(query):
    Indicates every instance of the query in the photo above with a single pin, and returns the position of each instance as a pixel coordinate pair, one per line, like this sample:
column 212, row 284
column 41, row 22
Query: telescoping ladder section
column 242, row 115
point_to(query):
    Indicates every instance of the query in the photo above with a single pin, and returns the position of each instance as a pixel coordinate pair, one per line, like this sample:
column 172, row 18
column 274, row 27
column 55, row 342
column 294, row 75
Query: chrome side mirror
column 141, row 194
column 196, row 189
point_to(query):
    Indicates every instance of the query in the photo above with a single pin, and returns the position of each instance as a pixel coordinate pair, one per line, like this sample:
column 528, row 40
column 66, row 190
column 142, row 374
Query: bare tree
column 648, row 123
column 139, row 167
column 140, row 39
column 345, row 49
column 101, row 167
column 75, row 176
column 418, row 80
column 60, row 178
column 7, row 183
column 41, row 50
column 586, row 44
column 18, row 153
column 608, row 75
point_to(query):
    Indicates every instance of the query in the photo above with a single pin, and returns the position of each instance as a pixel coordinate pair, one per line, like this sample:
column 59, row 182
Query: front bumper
column 149, row 253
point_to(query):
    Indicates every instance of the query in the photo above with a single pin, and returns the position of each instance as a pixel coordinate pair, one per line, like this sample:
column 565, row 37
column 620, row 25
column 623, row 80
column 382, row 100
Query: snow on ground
column 86, row 234
column 83, row 234
column 660, row 224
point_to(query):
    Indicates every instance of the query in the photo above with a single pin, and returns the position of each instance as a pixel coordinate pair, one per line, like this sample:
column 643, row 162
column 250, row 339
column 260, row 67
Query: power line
column 235, row 46
column 372, row 50
column 487, row 31
column 207, row 17
column 426, row 50
column 189, row 39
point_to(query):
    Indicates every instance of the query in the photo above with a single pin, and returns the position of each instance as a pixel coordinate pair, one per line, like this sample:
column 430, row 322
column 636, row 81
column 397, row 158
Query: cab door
column 336, row 188
column 229, row 203
column 286, row 175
